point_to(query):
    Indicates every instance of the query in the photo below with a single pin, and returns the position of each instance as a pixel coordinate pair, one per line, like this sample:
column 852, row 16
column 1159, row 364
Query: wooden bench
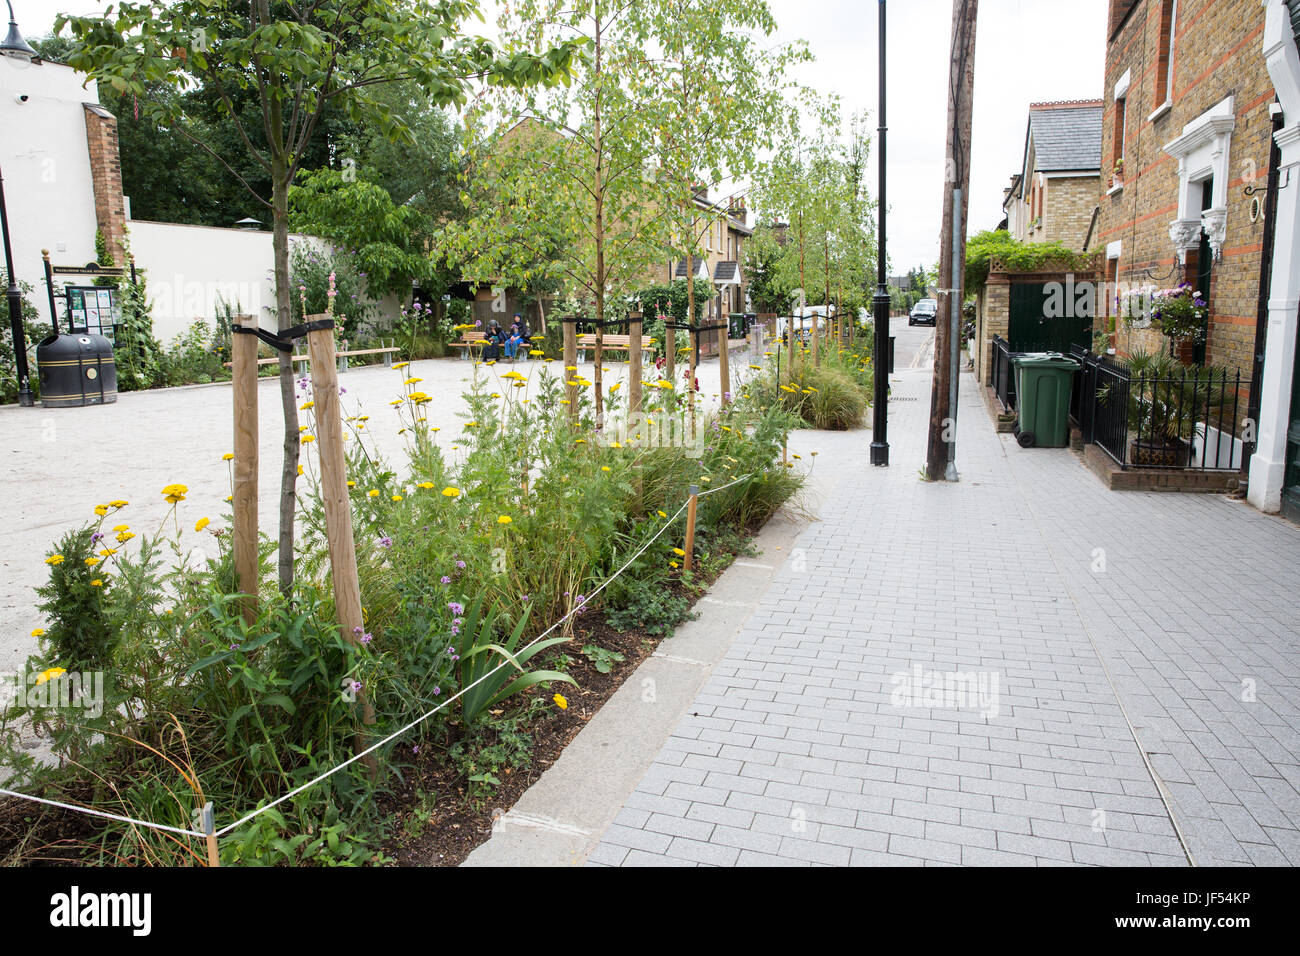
column 469, row 339
column 300, row 362
column 617, row 343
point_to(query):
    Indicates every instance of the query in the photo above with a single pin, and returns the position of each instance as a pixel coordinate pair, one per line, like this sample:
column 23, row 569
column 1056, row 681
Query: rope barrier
column 391, row 737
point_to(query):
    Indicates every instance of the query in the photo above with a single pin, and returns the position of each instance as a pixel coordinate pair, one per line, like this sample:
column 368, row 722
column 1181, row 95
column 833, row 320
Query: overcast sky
column 1027, row 50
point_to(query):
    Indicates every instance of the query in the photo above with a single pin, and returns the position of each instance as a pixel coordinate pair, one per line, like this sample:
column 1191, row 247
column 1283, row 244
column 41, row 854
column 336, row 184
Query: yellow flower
column 604, row 467
column 175, row 493
column 413, row 381
column 228, row 456
column 91, row 562
column 299, row 472
column 679, row 552
column 201, row 524
column 504, row 519
column 54, row 559
column 119, row 503
column 97, row 583
column 308, row 439
column 560, row 702
column 398, row 366
column 397, row 497
column 121, row 527
column 39, row 632
column 106, row 552
column 101, row 510
column 351, row 483
column 305, row 406
column 673, row 564
column 451, row 492
column 425, row 485
column 373, row 493
column 536, row 352
column 580, row 441
column 230, row 497
column 49, row 675
column 662, row 514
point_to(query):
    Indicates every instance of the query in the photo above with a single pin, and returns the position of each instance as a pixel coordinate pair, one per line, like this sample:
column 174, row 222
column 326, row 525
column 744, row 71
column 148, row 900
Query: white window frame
column 1204, row 150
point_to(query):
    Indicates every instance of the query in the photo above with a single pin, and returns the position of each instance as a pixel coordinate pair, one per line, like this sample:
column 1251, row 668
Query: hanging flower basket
column 1180, row 313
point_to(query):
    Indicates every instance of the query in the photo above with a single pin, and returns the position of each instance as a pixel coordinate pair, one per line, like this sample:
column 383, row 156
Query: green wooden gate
column 1049, row 317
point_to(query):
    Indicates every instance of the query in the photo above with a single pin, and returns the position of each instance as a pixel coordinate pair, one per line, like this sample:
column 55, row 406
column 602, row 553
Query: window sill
column 1117, row 188
column 1161, row 112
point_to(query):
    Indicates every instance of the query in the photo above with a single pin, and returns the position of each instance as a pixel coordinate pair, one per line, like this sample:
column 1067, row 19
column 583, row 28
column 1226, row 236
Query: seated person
column 514, row 339
column 492, row 342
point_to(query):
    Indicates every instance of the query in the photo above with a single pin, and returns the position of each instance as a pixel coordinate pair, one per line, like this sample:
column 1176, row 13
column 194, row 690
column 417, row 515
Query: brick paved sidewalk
column 1113, row 641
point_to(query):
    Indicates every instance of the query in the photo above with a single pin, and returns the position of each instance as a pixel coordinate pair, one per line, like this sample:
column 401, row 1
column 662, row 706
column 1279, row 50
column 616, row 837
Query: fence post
column 724, row 360
column 210, row 834
column 570, row 326
column 634, row 362
column 243, row 374
column 689, row 561
column 337, row 506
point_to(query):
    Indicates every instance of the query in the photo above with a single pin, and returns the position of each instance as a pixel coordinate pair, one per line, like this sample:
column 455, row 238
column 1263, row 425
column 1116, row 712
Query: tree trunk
column 288, row 398
column 599, row 192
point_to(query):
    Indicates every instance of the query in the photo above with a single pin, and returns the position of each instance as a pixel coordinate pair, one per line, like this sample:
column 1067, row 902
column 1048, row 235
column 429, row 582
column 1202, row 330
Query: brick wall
column 1068, row 204
column 106, row 178
column 1216, row 53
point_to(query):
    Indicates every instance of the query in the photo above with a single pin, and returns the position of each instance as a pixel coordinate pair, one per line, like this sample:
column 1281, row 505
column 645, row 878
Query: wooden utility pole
column 941, row 449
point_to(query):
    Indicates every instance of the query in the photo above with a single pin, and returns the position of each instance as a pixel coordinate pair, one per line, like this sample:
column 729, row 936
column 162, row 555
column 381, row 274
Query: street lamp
column 15, row 47
column 880, row 302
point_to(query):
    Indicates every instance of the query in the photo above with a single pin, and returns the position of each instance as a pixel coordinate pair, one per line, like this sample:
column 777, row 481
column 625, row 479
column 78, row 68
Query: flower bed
column 463, row 559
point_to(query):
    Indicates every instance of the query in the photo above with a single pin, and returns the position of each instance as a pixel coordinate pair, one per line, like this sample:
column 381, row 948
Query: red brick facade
column 1174, row 78
column 106, row 178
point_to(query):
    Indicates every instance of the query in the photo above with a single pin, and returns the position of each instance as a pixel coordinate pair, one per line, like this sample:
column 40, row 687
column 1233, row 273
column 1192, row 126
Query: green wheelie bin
column 1043, row 383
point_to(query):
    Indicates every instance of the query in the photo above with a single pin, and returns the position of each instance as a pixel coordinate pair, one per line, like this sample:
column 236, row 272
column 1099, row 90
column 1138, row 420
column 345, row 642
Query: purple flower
column 456, row 608
column 96, row 536
column 367, row 638
column 445, row 580
column 356, row 630
column 356, row 687
column 455, row 630
column 415, row 749
column 437, row 691
column 386, row 542
column 527, row 598
column 458, row 621
column 460, row 565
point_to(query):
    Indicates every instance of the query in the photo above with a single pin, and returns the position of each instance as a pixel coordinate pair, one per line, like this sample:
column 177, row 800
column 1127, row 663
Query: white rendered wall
column 46, row 168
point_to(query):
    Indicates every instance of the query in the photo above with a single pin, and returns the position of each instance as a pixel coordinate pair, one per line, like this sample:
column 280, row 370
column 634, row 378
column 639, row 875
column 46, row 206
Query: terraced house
column 1053, row 195
column 1201, row 104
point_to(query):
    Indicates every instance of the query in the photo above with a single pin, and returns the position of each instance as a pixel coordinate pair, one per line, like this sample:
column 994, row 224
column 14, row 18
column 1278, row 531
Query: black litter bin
column 76, row 369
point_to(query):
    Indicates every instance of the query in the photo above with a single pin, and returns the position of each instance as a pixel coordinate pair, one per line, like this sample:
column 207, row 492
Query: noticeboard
column 93, row 309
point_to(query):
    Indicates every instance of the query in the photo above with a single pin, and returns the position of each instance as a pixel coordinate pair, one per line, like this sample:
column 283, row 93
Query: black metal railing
column 1188, row 420
column 1004, row 373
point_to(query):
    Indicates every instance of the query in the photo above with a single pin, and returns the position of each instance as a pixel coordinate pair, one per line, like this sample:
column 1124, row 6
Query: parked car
column 924, row 312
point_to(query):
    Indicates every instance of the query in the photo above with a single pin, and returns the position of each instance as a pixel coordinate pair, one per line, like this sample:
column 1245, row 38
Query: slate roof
column 1066, row 137
column 700, row 266
column 727, row 273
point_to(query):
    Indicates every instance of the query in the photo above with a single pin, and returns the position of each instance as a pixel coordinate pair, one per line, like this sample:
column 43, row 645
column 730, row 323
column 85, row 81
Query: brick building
column 1053, row 195
column 1185, row 139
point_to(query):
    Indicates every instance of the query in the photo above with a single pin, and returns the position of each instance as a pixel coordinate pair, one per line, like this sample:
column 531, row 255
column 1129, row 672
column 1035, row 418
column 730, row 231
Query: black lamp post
column 16, row 47
column 880, row 302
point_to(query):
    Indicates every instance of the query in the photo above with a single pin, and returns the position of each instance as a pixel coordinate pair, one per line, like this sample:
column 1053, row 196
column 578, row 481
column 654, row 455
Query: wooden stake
column 243, row 371
column 338, row 508
column 571, row 362
column 210, row 826
column 689, row 547
column 670, row 346
column 724, row 361
column 634, row 362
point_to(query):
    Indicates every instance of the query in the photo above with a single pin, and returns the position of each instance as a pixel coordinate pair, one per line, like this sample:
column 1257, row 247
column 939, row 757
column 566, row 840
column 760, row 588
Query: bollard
column 570, row 326
column 210, row 834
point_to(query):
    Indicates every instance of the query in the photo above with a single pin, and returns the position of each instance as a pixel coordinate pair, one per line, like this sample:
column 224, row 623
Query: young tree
column 563, row 193
column 293, row 60
column 717, row 92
